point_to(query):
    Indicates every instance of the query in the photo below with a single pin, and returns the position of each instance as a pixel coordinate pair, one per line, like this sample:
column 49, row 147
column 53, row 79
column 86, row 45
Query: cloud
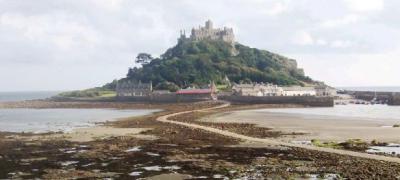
column 348, row 19
column 341, row 44
column 365, row 5
column 277, row 8
column 352, row 69
column 96, row 40
column 302, row 38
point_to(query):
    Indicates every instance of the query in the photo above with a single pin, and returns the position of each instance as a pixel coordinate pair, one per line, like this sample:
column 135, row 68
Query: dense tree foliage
column 196, row 63
column 143, row 58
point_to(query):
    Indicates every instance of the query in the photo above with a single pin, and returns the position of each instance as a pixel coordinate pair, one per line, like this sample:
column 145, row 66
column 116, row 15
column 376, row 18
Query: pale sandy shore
column 326, row 128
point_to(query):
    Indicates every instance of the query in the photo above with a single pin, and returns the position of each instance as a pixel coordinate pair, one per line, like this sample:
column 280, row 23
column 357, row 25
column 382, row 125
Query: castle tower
column 209, row 33
column 209, row 25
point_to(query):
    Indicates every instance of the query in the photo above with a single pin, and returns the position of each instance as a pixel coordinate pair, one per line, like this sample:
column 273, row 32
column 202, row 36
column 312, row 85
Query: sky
column 78, row 44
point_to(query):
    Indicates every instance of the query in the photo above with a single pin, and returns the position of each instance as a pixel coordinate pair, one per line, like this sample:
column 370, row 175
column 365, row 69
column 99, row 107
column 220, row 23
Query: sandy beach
column 326, row 128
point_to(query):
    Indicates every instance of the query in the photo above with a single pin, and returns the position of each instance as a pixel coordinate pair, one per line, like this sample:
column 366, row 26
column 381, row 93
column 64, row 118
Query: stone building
column 325, row 91
column 192, row 94
column 261, row 89
column 299, row 91
column 131, row 88
column 257, row 89
column 208, row 32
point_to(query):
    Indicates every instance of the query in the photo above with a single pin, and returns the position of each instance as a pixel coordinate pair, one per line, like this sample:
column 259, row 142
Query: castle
column 209, row 33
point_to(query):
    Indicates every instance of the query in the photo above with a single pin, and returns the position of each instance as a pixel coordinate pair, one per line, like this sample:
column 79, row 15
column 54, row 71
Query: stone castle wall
column 208, row 32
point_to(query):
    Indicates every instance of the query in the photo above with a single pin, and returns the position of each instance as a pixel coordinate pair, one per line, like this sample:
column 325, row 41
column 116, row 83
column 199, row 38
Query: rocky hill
column 194, row 63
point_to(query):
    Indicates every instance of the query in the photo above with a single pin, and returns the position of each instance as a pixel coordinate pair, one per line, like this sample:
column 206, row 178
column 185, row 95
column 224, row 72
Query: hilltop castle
column 209, row 33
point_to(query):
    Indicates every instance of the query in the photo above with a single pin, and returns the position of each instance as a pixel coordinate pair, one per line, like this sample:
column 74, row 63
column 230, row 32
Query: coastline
column 159, row 149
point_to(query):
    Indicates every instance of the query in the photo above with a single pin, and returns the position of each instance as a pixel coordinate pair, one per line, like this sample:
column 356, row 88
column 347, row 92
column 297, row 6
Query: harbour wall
column 369, row 95
column 173, row 98
column 312, row 101
column 392, row 98
column 164, row 98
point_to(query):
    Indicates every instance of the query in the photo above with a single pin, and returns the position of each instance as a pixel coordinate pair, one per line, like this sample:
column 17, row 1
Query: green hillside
column 198, row 62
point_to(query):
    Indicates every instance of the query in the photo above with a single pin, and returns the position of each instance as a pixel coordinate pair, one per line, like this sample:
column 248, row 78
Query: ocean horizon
column 371, row 88
column 26, row 95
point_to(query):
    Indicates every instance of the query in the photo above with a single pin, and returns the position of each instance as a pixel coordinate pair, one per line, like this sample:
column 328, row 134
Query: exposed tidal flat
column 340, row 123
column 177, row 151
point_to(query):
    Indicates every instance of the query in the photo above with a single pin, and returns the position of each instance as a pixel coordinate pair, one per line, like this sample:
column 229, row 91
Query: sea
column 372, row 88
column 55, row 120
column 357, row 111
column 26, row 95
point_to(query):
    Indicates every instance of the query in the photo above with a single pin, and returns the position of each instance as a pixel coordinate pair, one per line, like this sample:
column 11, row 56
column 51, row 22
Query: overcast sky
column 75, row 44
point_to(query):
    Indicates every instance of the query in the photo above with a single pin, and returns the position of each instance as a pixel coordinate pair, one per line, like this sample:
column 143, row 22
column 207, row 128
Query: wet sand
column 91, row 134
column 178, row 152
column 326, row 128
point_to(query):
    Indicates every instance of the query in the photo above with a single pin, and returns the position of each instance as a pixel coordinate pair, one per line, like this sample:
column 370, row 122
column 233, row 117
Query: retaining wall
column 301, row 100
column 163, row 98
column 394, row 99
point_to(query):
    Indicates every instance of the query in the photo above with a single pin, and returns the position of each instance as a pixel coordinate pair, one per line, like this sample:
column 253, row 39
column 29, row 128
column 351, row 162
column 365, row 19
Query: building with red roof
column 197, row 94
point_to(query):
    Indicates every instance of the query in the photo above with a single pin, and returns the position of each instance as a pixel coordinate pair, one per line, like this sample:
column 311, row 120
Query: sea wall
column 369, row 95
column 165, row 98
column 162, row 98
column 394, row 99
column 301, row 100
column 173, row 98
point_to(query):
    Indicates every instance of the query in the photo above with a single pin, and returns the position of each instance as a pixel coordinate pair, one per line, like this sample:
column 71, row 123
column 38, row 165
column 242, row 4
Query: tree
column 143, row 58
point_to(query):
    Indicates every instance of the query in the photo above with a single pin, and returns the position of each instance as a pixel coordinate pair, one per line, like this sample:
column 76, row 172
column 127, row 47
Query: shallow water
column 45, row 120
column 21, row 96
column 373, row 88
column 351, row 111
column 393, row 149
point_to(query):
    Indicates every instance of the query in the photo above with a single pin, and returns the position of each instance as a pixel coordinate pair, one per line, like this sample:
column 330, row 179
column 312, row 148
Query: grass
column 222, row 87
column 91, row 93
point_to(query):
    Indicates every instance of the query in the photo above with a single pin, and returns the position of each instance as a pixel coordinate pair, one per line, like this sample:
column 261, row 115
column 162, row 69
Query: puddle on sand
column 152, row 168
column 135, row 173
column 393, row 149
column 159, row 168
column 134, row 149
column 302, row 142
column 67, row 163
column 329, row 176
column 152, row 154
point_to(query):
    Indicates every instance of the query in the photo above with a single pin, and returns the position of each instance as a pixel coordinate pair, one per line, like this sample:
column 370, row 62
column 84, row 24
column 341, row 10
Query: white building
column 325, row 91
column 257, row 89
column 262, row 89
column 299, row 91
